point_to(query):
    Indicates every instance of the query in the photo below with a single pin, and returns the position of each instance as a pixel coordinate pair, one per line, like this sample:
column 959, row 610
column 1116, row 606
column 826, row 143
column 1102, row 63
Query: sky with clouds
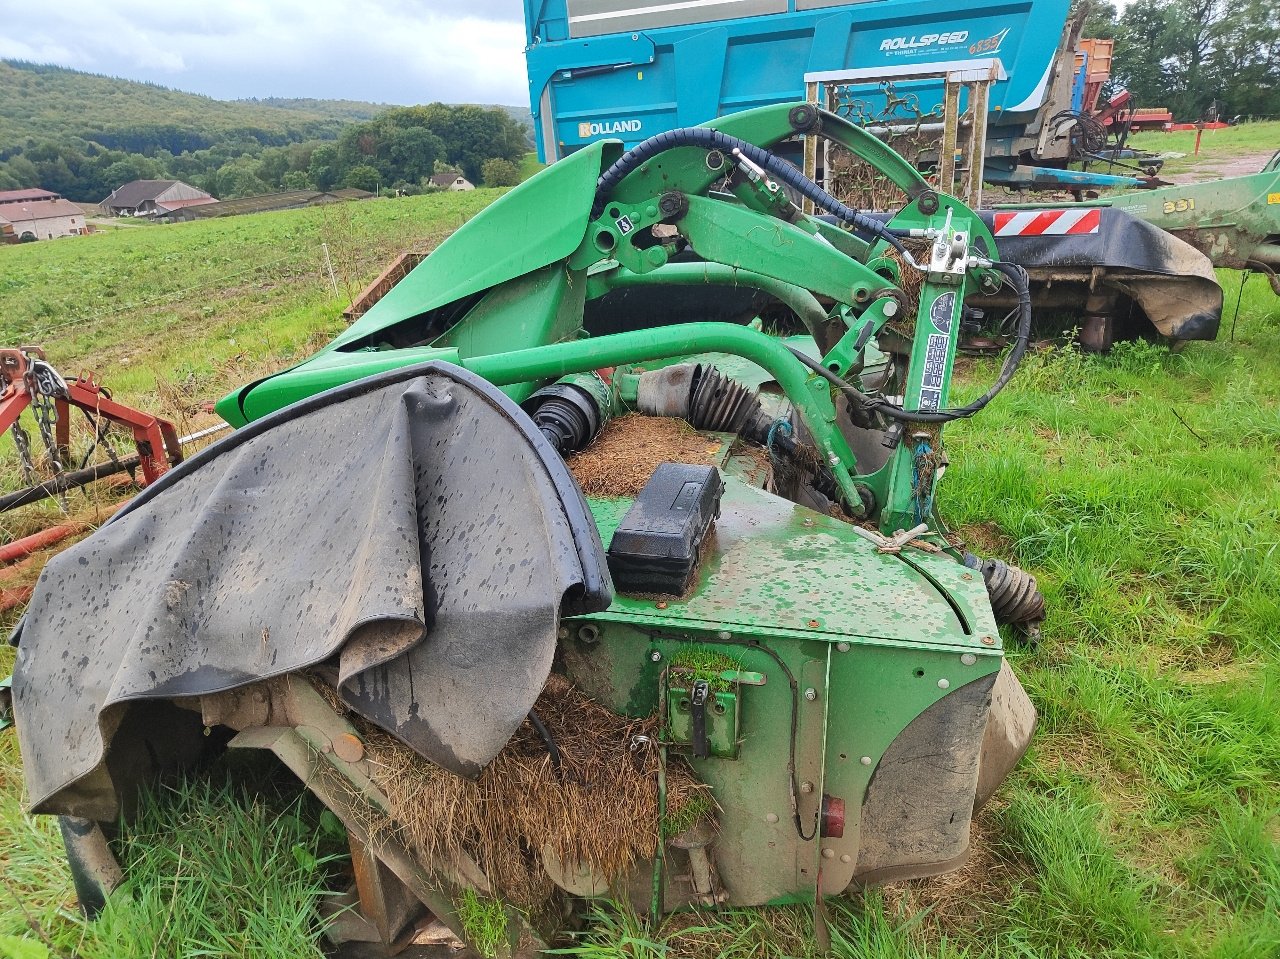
column 386, row 51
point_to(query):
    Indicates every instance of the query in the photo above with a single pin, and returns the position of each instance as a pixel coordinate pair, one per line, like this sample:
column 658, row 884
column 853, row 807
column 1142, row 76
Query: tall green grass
column 233, row 864
column 1141, row 488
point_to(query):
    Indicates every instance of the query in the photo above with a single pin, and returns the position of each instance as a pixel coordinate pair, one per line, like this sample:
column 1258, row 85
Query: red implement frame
column 25, row 375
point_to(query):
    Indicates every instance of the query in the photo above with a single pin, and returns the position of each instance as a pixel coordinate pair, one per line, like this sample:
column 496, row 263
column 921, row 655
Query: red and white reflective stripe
column 1048, row 222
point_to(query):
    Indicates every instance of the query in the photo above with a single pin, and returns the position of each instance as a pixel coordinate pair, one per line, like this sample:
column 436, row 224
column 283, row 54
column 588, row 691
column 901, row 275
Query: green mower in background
column 1235, row 221
column 774, row 613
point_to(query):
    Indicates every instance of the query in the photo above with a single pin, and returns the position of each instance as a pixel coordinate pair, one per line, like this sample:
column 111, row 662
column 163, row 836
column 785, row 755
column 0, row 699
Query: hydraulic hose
column 1017, row 277
column 547, row 740
column 709, row 139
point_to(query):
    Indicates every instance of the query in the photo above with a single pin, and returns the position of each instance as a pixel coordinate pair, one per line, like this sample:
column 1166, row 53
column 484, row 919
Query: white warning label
column 935, row 369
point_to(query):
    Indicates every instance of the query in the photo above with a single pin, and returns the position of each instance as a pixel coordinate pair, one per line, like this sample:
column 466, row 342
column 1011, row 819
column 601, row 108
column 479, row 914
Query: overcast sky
column 386, row 51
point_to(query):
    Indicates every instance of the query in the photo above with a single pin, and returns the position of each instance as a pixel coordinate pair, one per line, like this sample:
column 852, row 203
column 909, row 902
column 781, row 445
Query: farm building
column 143, row 197
column 40, row 219
column 26, row 196
column 451, row 181
column 169, row 207
column 289, row 200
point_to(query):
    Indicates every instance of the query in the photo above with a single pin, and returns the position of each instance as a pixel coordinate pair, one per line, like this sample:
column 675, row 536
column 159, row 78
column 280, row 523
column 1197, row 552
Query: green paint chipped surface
column 777, row 569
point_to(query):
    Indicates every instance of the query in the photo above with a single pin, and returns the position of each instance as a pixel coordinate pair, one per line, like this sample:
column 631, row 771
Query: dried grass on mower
column 623, row 457
column 910, row 282
column 600, row 808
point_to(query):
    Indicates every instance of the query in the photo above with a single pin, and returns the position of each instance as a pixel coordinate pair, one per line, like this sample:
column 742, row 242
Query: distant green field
column 1247, row 138
column 171, row 317
column 529, row 165
column 1142, row 489
column 1262, row 136
column 204, row 302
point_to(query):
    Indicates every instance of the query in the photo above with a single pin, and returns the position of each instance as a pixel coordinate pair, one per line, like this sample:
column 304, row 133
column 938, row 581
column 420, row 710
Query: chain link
column 45, row 384
column 22, row 442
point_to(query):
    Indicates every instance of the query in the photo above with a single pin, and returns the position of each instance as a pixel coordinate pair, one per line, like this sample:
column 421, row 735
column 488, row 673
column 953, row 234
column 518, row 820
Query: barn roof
column 134, row 194
column 22, row 196
column 41, row 210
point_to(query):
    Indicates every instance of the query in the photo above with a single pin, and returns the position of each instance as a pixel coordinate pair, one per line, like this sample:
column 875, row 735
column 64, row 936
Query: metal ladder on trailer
column 972, row 76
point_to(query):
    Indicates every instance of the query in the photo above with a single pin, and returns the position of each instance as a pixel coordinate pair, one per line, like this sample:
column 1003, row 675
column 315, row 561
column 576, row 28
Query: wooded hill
column 54, row 103
column 83, row 135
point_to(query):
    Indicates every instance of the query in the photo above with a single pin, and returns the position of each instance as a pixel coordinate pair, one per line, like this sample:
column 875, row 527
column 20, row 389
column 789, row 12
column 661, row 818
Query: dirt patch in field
column 1118, row 785
column 1214, row 662
column 985, row 539
column 1211, row 169
column 1219, row 675
column 1199, row 660
column 623, row 457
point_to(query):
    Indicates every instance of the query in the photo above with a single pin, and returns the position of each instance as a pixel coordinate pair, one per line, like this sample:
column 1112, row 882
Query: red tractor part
column 27, row 379
column 14, row 596
column 21, row 549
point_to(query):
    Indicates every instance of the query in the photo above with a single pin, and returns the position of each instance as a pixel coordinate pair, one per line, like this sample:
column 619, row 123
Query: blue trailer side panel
column 665, row 71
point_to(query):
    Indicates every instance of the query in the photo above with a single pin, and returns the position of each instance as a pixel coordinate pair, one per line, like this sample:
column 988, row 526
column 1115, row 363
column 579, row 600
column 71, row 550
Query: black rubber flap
column 1171, row 280
column 413, row 526
column 655, row 547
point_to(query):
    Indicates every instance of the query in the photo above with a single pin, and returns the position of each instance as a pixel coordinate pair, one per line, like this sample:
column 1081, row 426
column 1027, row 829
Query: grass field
column 1142, row 488
column 175, row 316
column 529, row 165
column 1260, row 137
column 1216, row 146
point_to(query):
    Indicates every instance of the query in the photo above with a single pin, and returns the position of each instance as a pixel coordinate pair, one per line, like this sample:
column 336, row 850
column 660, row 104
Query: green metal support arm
column 735, row 236
column 812, row 398
column 801, row 301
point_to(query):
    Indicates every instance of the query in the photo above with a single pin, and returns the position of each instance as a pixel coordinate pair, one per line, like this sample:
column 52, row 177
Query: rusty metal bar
column 810, row 151
column 979, row 96
column 950, row 136
column 77, row 478
column 65, row 481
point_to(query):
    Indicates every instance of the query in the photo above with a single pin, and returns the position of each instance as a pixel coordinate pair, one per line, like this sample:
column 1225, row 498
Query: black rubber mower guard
column 413, row 529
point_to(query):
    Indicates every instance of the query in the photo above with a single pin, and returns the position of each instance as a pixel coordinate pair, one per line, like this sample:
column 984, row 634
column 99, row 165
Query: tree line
column 1200, row 59
column 397, row 150
column 84, row 135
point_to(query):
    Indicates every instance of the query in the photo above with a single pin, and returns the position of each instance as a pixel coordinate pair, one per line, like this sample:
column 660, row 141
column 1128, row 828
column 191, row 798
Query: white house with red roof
column 36, row 214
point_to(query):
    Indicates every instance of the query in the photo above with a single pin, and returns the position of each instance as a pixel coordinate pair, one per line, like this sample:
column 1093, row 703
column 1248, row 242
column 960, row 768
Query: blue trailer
column 629, row 69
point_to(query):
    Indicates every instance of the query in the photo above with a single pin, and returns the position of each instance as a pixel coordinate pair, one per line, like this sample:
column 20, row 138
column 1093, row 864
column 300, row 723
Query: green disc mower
column 600, row 558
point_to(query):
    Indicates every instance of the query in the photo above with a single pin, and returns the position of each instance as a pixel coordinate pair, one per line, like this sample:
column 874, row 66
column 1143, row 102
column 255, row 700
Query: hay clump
column 863, row 186
column 600, row 808
column 623, row 457
column 911, row 283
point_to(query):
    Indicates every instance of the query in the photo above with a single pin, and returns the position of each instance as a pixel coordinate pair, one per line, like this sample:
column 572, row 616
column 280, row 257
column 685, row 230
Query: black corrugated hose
column 709, row 139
